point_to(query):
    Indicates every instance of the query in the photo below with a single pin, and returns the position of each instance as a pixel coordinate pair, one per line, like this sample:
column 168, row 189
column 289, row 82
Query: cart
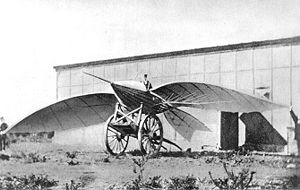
column 147, row 128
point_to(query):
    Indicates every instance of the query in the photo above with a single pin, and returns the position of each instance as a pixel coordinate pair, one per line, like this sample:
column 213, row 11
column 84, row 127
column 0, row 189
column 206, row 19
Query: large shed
column 268, row 68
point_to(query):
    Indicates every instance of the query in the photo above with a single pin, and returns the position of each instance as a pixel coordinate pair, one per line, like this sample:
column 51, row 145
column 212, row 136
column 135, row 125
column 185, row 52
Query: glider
column 131, row 111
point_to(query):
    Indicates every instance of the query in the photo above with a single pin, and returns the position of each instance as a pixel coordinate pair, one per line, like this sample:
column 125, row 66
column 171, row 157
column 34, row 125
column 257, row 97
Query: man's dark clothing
column 297, row 129
column 3, row 127
column 297, row 126
column 148, row 85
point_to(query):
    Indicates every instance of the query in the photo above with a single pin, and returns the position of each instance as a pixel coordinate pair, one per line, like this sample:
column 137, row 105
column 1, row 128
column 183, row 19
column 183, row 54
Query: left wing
column 207, row 96
column 74, row 112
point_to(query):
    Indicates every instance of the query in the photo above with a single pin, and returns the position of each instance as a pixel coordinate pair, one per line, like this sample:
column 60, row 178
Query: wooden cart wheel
column 115, row 142
column 150, row 135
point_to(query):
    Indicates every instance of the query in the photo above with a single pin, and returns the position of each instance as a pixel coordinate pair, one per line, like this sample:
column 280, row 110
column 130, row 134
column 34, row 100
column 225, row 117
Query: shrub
column 232, row 181
column 154, row 182
column 73, row 185
column 138, row 168
column 86, row 180
column 291, row 182
column 31, row 182
column 72, row 156
column 182, row 183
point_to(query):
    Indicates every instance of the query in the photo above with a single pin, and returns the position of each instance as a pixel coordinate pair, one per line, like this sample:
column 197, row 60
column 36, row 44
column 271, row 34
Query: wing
column 207, row 96
column 184, row 123
column 75, row 112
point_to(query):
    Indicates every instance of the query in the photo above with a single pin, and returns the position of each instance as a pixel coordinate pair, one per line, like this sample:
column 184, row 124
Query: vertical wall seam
column 189, row 73
column 93, row 79
column 126, row 70
column 175, row 132
column 235, row 69
column 253, row 73
column 82, row 81
column 272, row 83
column 70, row 79
column 291, row 75
column 148, row 69
column 291, row 79
column 176, row 68
column 57, row 73
column 220, row 68
column 204, row 68
column 104, row 72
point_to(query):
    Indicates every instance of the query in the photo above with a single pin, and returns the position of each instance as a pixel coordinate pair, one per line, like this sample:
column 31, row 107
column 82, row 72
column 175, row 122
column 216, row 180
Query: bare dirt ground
column 99, row 170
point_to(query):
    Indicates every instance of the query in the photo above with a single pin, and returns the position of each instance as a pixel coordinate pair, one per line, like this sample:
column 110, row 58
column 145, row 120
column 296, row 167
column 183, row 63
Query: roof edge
column 239, row 46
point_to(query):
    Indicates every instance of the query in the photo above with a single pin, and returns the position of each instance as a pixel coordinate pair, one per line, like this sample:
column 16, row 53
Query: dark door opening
column 229, row 130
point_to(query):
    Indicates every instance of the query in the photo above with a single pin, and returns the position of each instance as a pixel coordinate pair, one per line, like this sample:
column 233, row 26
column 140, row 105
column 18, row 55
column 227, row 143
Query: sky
column 36, row 35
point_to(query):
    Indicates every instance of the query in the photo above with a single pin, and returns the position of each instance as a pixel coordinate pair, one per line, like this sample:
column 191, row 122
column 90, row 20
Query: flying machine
column 132, row 111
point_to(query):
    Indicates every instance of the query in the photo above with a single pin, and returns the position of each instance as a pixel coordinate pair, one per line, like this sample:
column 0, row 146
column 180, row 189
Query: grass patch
column 31, row 182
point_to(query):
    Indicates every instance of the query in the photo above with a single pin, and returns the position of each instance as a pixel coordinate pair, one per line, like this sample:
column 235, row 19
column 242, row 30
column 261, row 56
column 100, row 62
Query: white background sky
column 36, row 35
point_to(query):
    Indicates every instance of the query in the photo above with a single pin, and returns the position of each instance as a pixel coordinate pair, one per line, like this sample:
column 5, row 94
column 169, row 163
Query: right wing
column 208, row 96
column 75, row 112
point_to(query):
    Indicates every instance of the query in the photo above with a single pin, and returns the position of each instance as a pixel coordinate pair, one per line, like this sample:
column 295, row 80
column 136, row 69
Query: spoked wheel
column 150, row 136
column 115, row 142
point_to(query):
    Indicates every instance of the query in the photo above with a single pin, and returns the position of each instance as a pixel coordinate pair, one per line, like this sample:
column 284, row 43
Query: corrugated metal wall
column 274, row 67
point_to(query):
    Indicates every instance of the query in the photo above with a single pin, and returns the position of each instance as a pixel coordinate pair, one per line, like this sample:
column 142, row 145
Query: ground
column 101, row 170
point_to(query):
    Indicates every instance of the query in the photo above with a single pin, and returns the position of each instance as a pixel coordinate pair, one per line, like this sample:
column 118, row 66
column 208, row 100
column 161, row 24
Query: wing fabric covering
column 207, row 96
column 184, row 123
column 76, row 112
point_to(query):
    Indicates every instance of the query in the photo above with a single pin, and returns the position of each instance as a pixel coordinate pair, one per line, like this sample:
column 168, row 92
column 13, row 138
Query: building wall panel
column 296, row 55
column 245, row 81
column 109, row 72
column 262, row 58
column 63, row 92
column 76, row 90
column 197, row 64
column 212, row 63
column 169, row 67
column 63, row 78
column 156, row 68
column 228, row 80
column 169, row 133
column 296, row 90
column 244, row 60
column 228, row 61
column 143, row 67
column 281, row 86
column 132, row 70
column 183, row 78
column 76, row 76
column 102, row 87
column 197, row 78
column 168, row 79
column 269, row 116
column 281, row 120
column 120, row 72
column 262, row 78
column 212, row 78
column 98, row 71
column 282, row 56
column 155, row 81
column 183, row 66
column 87, row 80
column 87, row 89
